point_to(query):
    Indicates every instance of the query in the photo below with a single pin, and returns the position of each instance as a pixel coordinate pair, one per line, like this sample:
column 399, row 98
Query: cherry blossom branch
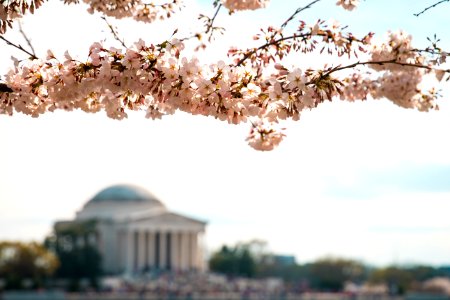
column 26, row 38
column 299, row 10
column 113, row 31
column 430, row 7
column 136, row 9
column 384, row 62
column 251, row 52
column 32, row 56
column 248, row 54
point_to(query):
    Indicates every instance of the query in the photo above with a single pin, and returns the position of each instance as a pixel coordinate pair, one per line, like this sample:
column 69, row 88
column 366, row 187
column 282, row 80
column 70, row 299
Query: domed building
column 134, row 231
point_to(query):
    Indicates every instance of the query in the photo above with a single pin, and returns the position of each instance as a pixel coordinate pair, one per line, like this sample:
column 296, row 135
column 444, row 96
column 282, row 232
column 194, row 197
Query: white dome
column 121, row 202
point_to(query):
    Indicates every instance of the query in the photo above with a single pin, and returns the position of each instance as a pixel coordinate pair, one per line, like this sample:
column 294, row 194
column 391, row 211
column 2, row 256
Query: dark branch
column 299, row 10
column 210, row 24
column 215, row 14
column 430, row 7
column 274, row 42
column 113, row 31
column 268, row 44
column 382, row 62
column 32, row 56
column 5, row 89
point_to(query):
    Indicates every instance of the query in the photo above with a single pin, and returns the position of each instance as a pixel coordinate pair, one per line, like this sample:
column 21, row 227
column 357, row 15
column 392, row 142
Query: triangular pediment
column 168, row 220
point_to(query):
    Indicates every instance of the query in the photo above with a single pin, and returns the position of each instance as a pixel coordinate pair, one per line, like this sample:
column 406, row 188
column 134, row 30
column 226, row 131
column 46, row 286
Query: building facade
column 135, row 232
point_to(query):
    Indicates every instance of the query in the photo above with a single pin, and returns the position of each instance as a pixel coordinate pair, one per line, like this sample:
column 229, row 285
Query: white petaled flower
column 295, row 79
column 189, row 69
column 250, row 91
column 276, row 93
column 205, row 87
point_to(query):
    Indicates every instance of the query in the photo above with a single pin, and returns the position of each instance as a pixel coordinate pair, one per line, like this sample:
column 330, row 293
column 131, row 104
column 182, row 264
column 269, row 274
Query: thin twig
column 215, row 14
column 32, row 56
column 299, row 10
column 273, row 42
column 26, row 38
column 430, row 7
column 382, row 62
column 268, row 44
column 113, row 31
column 210, row 24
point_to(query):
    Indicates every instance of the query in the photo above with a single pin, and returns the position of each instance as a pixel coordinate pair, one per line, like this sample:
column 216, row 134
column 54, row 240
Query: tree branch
column 32, row 56
column 268, row 44
column 430, row 7
column 209, row 27
column 299, row 10
column 26, row 38
column 113, row 31
column 382, row 62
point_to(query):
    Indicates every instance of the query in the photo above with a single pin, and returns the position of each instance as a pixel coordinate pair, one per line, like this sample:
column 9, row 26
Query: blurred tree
column 397, row 279
column 25, row 265
column 331, row 273
column 77, row 252
column 236, row 261
column 422, row 273
column 246, row 263
column 224, row 261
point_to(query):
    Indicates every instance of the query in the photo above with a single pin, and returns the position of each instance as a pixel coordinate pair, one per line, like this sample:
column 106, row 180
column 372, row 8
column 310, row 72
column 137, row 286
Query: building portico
column 135, row 232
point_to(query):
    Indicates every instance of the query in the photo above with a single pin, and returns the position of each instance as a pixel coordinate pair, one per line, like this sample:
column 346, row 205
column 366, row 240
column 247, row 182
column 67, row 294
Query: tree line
column 34, row 265
column 324, row 274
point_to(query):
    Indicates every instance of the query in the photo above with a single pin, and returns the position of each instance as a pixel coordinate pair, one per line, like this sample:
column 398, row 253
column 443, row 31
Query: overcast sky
column 365, row 180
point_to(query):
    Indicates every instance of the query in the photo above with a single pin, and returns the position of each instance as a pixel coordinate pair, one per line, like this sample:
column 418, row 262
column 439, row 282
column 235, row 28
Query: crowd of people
column 193, row 285
column 211, row 286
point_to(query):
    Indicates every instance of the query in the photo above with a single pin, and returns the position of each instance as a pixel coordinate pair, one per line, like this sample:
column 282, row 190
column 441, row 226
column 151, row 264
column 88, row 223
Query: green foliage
column 331, row 273
column 397, row 279
column 252, row 259
column 237, row 261
column 79, row 257
column 25, row 265
column 422, row 273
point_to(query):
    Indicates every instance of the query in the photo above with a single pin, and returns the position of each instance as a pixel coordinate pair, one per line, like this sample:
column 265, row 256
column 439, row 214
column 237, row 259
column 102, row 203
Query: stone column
column 141, row 251
column 184, row 251
column 194, row 251
column 151, row 249
column 162, row 249
column 129, row 252
column 200, row 253
column 174, row 251
column 180, row 250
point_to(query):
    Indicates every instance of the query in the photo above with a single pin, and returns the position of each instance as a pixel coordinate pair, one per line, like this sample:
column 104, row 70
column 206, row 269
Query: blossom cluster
column 159, row 80
column 330, row 36
column 245, row 4
column 400, row 80
column 155, row 79
column 265, row 136
column 348, row 4
column 14, row 9
column 137, row 9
